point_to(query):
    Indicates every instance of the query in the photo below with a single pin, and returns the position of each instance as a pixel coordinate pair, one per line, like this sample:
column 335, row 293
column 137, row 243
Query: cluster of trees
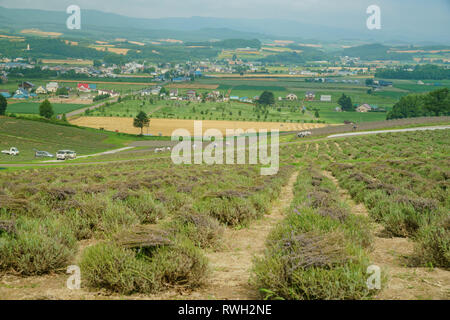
column 63, row 91
column 435, row 103
column 101, row 97
column 32, row 73
column 375, row 52
column 346, row 103
column 420, row 72
column 48, row 48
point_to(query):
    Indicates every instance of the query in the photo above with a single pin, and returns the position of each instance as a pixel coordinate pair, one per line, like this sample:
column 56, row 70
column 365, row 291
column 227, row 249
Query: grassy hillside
column 28, row 135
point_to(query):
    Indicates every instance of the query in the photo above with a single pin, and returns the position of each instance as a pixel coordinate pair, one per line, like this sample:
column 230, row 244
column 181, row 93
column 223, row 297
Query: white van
column 65, row 155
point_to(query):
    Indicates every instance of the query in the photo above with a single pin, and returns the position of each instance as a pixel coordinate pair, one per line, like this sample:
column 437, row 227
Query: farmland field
column 343, row 204
column 167, row 126
column 33, row 107
column 285, row 111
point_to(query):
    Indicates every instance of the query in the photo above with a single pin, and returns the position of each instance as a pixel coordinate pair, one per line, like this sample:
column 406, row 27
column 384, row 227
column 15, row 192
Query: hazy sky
column 403, row 15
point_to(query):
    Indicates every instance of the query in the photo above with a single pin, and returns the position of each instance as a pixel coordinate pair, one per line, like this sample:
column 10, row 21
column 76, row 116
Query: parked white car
column 65, row 155
column 12, row 151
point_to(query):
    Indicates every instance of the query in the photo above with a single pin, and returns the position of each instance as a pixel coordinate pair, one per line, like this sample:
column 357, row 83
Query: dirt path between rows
column 391, row 254
column 231, row 266
column 229, row 278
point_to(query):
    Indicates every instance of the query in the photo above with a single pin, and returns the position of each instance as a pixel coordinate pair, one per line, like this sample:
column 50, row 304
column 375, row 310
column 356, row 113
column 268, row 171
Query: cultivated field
column 33, row 107
column 37, row 32
column 167, row 126
column 68, row 61
column 151, row 229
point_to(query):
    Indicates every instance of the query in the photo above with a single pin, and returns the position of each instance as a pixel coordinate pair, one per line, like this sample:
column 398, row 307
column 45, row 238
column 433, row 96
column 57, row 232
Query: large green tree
column 408, row 107
column 141, row 121
column 346, row 103
column 267, row 98
column 435, row 103
column 3, row 105
column 46, row 109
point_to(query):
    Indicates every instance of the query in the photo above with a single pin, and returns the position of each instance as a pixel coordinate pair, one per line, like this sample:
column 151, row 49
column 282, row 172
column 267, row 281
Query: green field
column 33, row 107
column 28, row 136
column 234, row 111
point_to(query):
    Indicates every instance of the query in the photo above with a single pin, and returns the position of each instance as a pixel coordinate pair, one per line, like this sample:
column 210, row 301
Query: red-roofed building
column 86, row 87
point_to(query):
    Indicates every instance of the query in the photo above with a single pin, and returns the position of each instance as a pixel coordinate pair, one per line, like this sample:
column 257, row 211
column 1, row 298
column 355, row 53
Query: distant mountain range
column 97, row 24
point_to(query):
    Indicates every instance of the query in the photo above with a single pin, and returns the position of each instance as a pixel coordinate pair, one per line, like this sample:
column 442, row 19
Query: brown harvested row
column 309, row 250
column 143, row 237
column 228, row 194
column 60, row 194
column 14, row 205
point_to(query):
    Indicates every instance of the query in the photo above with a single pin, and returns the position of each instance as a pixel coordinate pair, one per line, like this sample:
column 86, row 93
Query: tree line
column 419, row 72
column 435, row 103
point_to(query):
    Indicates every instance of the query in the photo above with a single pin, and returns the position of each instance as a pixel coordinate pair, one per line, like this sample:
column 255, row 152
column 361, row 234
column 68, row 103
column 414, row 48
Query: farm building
column 5, row 93
column 26, row 85
column 23, row 94
column 191, row 94
column 325, row 98
column 41, row 90
column 213, row 95
column 245, row 99
column 111, row 93
column 310, row 96
column 174, row 92
column 52, row 87
column 364, row 108
column 291, row 97
column 86, row 87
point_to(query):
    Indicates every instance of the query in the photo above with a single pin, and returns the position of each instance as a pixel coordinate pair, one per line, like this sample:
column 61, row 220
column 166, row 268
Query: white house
column 41, row 90
column 111, row 93
column 52, row 87
column 291, row 97
column 325, row 98
column 364, row 108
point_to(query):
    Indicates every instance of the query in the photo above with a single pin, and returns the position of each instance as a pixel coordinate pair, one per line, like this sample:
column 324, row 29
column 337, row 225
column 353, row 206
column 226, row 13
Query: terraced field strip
column 391, row 255
column 231, row 265
column 167, row 126
column 109, row 82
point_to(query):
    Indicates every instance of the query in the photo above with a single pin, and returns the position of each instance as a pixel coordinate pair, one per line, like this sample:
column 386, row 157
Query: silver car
column 43, row 154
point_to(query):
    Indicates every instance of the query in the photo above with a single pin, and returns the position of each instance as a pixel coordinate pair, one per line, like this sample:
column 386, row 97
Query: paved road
column 81, row 111
column 95, row 154
column 17, row 165
column 386, row 131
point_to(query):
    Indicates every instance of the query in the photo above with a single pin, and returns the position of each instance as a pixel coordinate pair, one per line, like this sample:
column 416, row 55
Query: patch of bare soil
column 392, row 255
column 229, row 278
column 232, row 263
